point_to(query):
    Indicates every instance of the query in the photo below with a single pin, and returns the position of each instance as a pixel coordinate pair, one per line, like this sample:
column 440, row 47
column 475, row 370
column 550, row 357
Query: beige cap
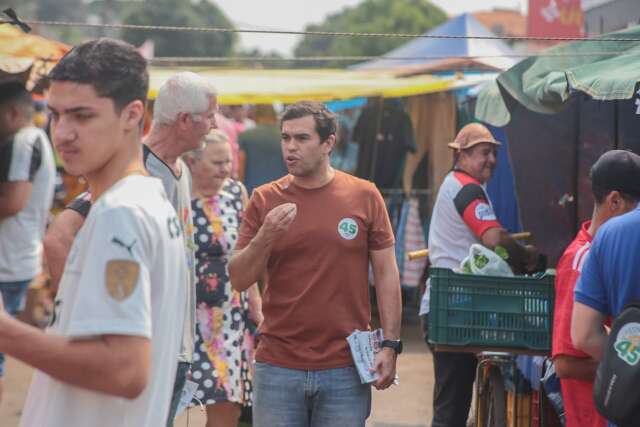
column 470, row 135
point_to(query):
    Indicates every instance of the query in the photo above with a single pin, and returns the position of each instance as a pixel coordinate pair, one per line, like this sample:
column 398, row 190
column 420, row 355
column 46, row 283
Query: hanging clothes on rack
column 384, row 138
column 344, row 155
column 411, row 271
column 400, row 233
column 393, row 201
column 409, row 230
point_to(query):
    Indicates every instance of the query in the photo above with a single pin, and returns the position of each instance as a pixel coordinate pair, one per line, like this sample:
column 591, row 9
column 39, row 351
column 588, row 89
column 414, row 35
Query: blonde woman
column 223, row 357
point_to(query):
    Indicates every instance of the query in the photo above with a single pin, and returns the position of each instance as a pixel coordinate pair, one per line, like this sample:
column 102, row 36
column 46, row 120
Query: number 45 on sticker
column 628, row 350
column 348, row 228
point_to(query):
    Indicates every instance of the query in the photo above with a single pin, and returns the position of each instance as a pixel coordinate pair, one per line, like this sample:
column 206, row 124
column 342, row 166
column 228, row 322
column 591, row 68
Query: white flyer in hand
column 364, row 345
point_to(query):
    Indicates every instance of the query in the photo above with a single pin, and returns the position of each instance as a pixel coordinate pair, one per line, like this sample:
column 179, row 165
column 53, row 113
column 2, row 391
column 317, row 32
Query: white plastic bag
column 484, row 261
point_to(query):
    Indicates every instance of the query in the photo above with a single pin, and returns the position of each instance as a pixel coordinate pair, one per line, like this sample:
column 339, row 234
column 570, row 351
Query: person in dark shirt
column 260, row 148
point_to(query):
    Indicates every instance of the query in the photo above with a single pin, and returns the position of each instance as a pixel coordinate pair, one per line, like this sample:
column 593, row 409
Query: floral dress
column 223, row 357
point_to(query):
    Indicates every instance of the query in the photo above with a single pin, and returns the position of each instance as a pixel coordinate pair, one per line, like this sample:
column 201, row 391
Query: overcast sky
column 296, row 14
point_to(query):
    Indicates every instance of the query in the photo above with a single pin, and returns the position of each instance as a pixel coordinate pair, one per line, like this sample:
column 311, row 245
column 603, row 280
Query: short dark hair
column 14, row 93
column 326, row 121
column 616, row 170
column 601, row 193
column 114, row 68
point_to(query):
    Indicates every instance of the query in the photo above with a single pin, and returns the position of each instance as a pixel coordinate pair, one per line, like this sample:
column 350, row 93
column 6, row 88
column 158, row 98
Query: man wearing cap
column 575, row 368
column 462, row 216
column 611, row 273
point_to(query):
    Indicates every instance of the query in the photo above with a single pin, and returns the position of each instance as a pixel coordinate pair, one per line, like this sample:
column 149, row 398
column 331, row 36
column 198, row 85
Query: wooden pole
column 422, row 253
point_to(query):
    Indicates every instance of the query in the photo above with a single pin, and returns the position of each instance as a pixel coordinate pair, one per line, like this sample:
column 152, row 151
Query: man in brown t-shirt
column 312, row 234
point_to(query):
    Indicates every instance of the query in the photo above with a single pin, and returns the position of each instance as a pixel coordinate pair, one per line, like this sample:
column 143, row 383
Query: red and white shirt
column 576, row 394
column 461, row 215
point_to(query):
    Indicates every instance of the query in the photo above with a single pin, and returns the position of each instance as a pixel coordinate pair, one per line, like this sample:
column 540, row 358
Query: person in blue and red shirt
column 576, row 368
column 611, row 272
column 463, row 215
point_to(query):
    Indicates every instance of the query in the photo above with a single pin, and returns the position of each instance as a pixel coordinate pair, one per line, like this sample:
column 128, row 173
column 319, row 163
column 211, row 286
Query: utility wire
column 318, row 33
column 163, row 59
column 205, row 59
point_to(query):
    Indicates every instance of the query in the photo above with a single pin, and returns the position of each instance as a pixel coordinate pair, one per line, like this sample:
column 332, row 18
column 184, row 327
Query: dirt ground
column 405, row 405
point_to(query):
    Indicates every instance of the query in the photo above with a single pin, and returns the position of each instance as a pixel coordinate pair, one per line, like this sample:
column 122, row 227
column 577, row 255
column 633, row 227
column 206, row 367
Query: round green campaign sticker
column 348, row 228
column 627, row 343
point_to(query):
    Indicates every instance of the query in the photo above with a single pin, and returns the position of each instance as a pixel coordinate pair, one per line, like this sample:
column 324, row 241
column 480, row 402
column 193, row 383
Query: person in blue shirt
column 611, row 273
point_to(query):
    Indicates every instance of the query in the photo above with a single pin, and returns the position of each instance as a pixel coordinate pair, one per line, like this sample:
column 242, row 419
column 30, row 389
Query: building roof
column 503, row 22
column 592, row 4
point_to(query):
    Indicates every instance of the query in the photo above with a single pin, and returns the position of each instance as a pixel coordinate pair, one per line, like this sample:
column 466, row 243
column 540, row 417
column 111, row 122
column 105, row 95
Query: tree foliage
column 371, row 16
column 180, row 13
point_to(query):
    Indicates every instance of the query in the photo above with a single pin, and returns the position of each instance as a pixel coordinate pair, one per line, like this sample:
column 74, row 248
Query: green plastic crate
column 511, row 312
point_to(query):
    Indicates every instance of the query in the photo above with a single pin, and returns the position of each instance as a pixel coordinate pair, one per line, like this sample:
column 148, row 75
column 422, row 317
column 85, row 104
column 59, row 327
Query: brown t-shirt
column 317, row 290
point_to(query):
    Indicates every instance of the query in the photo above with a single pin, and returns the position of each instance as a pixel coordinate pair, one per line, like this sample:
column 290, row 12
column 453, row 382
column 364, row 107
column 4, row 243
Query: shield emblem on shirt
column 121, row 278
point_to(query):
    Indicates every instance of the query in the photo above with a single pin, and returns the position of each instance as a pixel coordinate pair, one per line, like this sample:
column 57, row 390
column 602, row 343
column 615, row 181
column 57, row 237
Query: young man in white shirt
column 184, row 112
column 108, row 357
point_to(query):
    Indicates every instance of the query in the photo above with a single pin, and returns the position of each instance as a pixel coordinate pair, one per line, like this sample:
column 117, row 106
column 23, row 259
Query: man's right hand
column 277, row 222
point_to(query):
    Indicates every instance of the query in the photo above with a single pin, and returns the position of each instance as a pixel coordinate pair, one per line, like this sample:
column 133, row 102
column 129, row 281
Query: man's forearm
column 14, row 196
column 8, row 208
column 248, row 264
column 587, row 330
column 57, row 242
column 576, row 368
column 518, row 255
column 593, row 343
column 56, row 249
column 389, row 304
column 91, row 363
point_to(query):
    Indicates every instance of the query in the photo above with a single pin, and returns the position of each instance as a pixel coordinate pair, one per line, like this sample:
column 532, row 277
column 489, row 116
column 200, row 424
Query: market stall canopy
column 15, row 68
column 24, row 56
column 261, row 86
column 15, row 43
column 478, row 54
column 604, row 70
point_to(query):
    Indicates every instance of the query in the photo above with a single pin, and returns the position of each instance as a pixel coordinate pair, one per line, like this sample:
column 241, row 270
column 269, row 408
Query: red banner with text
column 555, row 18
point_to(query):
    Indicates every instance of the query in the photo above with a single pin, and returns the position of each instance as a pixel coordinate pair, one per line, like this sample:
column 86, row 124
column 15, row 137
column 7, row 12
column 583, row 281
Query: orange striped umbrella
column 26, row 57
column 15, row 43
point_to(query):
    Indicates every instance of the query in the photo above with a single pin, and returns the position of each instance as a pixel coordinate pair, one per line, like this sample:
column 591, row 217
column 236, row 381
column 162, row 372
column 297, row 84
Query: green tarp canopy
column 605, row 69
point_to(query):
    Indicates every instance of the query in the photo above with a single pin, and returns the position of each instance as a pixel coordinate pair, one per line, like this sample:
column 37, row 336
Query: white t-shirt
column 100, row 293
column 28, row 157
column 461, row 214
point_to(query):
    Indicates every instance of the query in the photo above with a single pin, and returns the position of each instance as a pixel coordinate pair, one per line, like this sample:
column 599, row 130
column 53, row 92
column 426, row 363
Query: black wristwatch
column 396, row 345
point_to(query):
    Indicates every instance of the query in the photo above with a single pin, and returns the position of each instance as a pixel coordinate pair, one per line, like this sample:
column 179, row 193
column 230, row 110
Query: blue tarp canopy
column 478, row 54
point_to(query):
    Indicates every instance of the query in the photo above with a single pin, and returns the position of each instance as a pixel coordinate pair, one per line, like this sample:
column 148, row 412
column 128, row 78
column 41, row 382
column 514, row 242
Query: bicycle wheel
column 493, row 400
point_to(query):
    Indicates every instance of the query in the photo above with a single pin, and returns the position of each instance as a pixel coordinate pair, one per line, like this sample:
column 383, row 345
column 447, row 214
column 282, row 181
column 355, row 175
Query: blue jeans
column 178, row 385
column 13, row 296
column 294, row 398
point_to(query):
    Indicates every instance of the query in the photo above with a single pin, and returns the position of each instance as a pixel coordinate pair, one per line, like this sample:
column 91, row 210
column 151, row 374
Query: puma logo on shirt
column 119, row 242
